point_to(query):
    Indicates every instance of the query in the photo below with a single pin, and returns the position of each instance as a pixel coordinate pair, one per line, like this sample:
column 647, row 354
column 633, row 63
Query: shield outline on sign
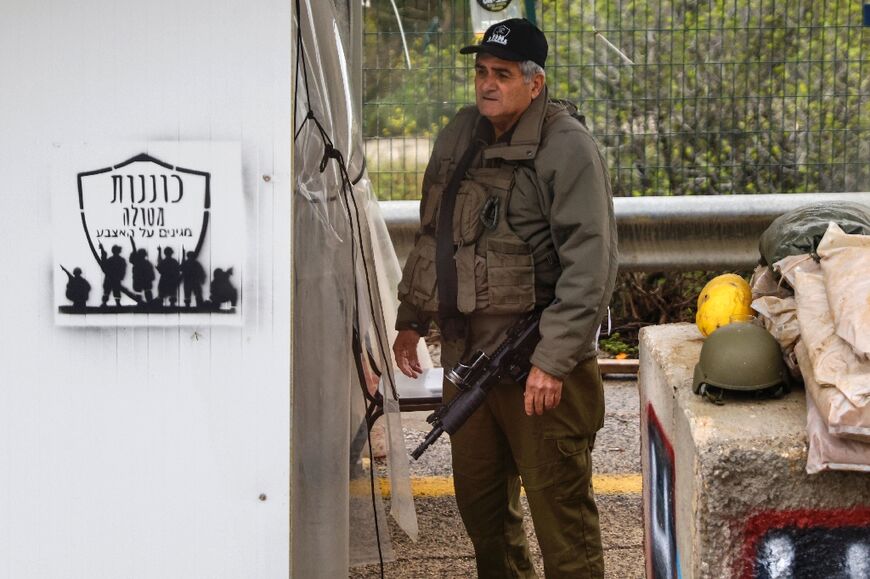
column 145, row 157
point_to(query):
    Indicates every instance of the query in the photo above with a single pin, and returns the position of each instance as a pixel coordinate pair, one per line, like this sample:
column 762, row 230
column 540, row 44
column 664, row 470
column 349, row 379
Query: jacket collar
column 526, row 137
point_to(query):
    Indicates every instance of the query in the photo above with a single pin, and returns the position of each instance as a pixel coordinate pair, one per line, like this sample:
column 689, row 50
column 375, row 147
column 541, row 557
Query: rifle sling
column 451, row 321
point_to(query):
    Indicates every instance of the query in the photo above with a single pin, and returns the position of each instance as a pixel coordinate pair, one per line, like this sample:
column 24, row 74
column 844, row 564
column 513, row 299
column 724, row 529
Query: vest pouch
column 418, row 285
column 429, row 207
column 473, row 294
column 467, row 225
column 511, row 276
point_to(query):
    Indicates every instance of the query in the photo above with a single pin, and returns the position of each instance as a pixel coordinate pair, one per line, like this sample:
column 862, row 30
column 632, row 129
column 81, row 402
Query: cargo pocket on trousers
column 418, row 285
column 573, row 473
column 511, row 276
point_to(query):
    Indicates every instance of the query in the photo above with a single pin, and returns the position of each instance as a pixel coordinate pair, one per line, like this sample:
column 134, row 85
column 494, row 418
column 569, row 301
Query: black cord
column 362, row 171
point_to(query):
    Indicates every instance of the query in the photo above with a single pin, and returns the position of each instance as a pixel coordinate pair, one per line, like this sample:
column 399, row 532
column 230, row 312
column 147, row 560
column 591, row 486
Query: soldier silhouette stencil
column 77, row 288
column 170, row 276
column 143, row 272
column 222, row 290
column 193, row 276
column 114, row 270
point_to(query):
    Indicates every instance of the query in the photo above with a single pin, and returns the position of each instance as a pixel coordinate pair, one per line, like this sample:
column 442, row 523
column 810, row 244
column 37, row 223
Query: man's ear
column 537, row 85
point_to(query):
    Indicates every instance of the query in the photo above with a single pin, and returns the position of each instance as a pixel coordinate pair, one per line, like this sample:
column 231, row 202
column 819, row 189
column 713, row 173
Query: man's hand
column 405, row 351
column 543, row 391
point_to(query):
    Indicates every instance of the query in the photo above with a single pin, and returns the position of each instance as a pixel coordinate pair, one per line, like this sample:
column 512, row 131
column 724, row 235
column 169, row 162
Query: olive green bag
column 799, row 231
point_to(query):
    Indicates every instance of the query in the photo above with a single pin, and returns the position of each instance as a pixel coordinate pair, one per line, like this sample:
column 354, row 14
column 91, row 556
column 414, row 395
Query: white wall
column 143, row 452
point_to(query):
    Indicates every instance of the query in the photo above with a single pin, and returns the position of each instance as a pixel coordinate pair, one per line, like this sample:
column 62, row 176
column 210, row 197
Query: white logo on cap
column 499, row 35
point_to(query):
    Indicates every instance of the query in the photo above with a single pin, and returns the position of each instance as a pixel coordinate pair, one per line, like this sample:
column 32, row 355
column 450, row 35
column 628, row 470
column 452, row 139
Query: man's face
column 502, row 93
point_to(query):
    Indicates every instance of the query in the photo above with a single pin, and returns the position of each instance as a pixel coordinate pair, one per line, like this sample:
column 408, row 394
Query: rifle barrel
column 430, row 438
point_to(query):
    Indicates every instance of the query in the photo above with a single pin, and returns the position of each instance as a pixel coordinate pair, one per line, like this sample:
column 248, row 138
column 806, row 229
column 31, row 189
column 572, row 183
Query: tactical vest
column 497, row 271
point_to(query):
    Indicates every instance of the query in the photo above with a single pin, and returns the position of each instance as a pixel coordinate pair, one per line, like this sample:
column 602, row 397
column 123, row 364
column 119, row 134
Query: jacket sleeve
column 409, row 317
column 578, row 203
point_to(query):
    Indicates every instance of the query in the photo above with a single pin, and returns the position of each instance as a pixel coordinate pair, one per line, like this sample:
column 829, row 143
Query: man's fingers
column 543, row 392
column 409, row 366
column 539, row 402
column 405, row 352
column 534, row 402
column 552, row 401
column 409, row 369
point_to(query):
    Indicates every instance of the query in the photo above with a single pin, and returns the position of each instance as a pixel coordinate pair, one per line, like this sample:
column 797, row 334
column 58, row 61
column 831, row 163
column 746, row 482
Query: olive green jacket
column 561, row 204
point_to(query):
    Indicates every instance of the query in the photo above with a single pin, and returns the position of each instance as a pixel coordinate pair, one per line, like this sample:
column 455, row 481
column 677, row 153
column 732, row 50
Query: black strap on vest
column 451, row 321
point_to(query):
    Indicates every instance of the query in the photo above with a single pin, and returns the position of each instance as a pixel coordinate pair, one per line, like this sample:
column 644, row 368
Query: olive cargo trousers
column 499, row 446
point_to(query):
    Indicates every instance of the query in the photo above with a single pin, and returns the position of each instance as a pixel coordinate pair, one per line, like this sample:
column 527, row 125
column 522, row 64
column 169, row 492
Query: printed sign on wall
column 152, row 235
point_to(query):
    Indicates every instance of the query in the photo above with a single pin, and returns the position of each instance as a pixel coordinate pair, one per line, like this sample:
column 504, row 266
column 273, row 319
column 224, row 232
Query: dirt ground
column 443, row 550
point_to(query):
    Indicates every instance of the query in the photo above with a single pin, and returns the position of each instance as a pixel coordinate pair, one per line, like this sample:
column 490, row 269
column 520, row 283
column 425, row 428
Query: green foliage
column 416, row 101
column 722, row 97
column 614, row 345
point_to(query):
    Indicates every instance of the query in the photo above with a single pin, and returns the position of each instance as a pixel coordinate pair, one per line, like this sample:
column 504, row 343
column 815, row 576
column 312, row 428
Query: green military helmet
column 740, row 357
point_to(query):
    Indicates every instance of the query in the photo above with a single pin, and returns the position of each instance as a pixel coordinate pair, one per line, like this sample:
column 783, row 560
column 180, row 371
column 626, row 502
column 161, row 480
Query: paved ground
column 443, row 551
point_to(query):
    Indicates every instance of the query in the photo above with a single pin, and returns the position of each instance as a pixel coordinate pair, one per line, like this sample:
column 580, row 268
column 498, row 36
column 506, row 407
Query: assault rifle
column 475, row 378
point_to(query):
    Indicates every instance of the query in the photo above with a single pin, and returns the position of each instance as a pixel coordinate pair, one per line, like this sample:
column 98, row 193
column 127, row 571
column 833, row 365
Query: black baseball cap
column 514, row 39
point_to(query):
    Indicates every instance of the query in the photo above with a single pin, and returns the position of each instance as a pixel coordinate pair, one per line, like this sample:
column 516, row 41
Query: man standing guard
column 517, row 214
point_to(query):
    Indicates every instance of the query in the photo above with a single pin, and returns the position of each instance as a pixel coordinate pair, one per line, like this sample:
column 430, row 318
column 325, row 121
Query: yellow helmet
column 722, row 298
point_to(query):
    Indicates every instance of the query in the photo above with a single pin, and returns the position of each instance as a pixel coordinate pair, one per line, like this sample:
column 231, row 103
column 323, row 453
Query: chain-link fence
column 708, row 97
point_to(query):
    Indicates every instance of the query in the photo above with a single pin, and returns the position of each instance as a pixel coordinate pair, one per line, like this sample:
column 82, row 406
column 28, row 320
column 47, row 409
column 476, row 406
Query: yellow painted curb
column 617, row 484
column 442, row 486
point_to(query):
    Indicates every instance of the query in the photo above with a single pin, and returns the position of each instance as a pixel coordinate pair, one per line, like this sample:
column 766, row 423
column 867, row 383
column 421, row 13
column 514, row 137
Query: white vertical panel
column 142, row 453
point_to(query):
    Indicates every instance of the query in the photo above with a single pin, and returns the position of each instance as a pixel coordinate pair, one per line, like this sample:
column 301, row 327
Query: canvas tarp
column 830, row 446
column 845, row 263
column 837, row 380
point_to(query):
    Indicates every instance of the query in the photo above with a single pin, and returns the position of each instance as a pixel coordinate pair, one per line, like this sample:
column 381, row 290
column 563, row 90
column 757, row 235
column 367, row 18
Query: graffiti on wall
column 834, row 544
column 138, row 239
column 661, row 537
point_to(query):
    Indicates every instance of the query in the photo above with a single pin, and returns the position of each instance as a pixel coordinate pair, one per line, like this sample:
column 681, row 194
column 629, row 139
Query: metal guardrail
column 704, row 232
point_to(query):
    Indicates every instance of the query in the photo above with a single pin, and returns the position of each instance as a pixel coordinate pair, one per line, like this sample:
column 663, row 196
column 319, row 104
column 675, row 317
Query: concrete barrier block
column 726, row 492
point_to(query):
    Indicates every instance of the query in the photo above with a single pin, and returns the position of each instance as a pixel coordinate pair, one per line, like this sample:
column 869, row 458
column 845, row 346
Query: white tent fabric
column 342, row 259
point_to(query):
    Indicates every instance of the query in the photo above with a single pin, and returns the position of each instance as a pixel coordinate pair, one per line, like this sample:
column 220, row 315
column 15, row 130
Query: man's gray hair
column 529, row 69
